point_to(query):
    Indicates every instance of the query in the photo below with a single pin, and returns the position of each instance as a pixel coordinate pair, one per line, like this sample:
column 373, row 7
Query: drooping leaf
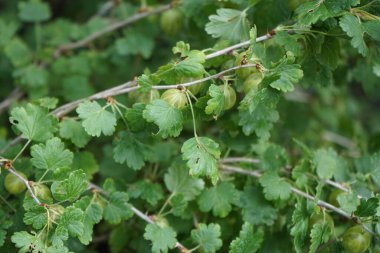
column 249, row 241
column 202, row 154
column 352, row 26
column 167, row 118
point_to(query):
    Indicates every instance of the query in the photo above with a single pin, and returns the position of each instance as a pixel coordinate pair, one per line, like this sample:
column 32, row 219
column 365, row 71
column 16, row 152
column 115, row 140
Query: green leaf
column 179, row 204
column 202, row 154
column 191, row 66
column 313, row 11
column 275, row 187
column 33, row 122
column 71, row 222
column 117, row 208
column 96, row 119
column 289, row 42
column 219, row 199
column 33, row 76
column 299, row 231
column 168, row 119
column 352, row 26
column 372, row 28
column 330, row 52
column 135, row 43
column 215, row 105
column 207, row 237
column 34, row 11
column 257, row 112
column 320, row 233
column 285, row 74
column 163, row 238
column 229, row 24
column 147, row 81
column 48, row 102
column 51, row 156
column 128, row 149
column 92, row 215
column 73, row 130
column 135, row 119
column 248, row 241
column 348, row 202
column 278, row 153
column 178, row 181
column 36, row 216
column 24, row 241
column 86, row 162
column 367, row 207
column 71, row 188
column 326, row 162
column 18, row 52
column 148, row 191
column 255, row 208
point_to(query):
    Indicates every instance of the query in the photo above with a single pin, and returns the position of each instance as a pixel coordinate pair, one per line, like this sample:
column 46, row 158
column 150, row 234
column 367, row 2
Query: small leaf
column 202, row 154
column 367, row 207
column 229, row 24
column 162, row 239
column 71, row 222
column 24, row 240
column 71, row 188
column 168, row 119
column 117, row 208
column 219, row 199
column 178, row 181
column 320, row 233
column 36, row 216
column 33, row 122
column 51, row 156
column 248, row 241
column 96, row 119
column 207, row 237
column 73, row 130
column 275, row 187
column 352, row 26
column 215, row 105
column 34, row 11
column 130, row 150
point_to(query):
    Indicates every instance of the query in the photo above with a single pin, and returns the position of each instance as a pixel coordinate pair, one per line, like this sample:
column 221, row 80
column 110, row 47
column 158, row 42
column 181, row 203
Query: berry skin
column 171, row 22
column 321, row 218
column 356, row 239
column 229, row 96
column 13, row 184
column 175, row 97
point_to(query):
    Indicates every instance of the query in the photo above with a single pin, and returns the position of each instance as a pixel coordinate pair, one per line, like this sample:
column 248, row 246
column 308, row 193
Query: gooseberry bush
column 204, row 126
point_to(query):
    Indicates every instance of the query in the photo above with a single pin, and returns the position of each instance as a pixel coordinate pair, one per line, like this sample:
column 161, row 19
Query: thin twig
column 140, row 215
column 83, row 42
column 239, row 160
column 14, row 96
column 236, row 46
column 26, row 183
column 257, row 161
column 257, row 174
column 132, row 86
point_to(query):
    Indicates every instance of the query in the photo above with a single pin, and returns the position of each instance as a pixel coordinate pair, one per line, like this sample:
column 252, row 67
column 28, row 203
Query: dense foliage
column 205, row 126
